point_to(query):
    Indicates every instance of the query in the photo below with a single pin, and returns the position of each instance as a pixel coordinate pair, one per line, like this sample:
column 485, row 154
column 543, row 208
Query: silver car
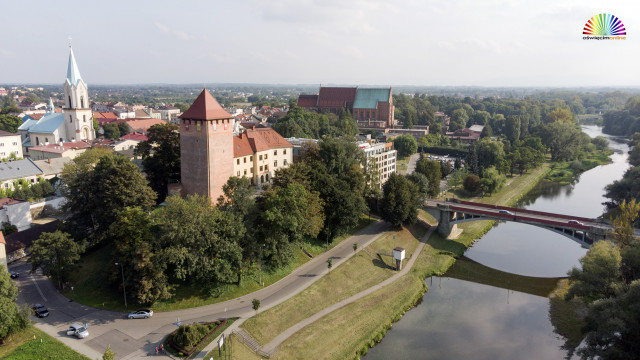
column 140, row 314
column 78, row 331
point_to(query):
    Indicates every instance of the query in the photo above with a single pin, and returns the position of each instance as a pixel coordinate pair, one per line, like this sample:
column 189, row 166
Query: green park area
column 32, row 343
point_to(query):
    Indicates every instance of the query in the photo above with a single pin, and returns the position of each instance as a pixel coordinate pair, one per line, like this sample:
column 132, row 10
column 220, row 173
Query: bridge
column 584, row 231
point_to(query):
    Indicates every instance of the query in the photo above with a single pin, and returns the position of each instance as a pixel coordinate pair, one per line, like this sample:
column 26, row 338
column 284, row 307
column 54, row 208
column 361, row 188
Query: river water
column 469, row 319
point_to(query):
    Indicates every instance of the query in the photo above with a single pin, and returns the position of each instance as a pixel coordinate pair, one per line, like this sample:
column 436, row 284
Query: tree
column 111, row 131
column 161, row 157
column 124, row 128
column 97, row 185
column 55, row 253
column 430, row 169
column 142, row 268
column 255, row 304
column 422, row 185
column 399, row 204
column 108, row 354
column 10, row 123
column 472, row 184
column 561, row 115
column 600, row 274
column 199, row 242
column 512, row 128
column 10, row 106
column 329, row 263
column 459, row 119
column 355, row 247
column 11, row 318
column 406, row 145
column 563, row 140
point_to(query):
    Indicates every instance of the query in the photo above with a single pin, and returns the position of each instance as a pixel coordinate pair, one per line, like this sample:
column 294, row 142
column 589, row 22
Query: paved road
column 133, row 339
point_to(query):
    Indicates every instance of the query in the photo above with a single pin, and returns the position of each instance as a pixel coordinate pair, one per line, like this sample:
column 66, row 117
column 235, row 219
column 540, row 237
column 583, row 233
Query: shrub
column 472, row 183
column 190, row 334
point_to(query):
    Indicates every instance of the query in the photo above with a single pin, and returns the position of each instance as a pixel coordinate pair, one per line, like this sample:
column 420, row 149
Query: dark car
column 40, row 310
column 14, row 275
column 505, row 212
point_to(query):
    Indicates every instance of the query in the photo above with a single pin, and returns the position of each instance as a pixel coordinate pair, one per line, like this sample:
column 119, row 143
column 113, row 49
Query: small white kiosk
column 398, row 255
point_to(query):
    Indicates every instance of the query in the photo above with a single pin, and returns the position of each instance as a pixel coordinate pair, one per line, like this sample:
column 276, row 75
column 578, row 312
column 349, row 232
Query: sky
column 358, row 42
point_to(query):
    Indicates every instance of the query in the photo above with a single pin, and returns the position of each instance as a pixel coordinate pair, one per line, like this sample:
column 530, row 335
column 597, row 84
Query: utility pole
column 124, row 289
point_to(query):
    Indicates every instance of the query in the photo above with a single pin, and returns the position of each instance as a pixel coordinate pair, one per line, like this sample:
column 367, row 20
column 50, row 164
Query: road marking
column 38, row 287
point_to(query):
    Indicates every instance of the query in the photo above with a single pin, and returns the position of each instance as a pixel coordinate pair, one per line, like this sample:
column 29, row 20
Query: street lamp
column 124, row 289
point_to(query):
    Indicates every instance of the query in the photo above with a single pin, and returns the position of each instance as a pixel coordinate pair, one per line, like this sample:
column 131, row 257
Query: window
column 267, row 177
column 260, row 157
column 275, row 152
column 37, row 141
column 284, row 151
column 238, row 173
column 284, row 163
column 245, row 172
column 275, row 163
column 70, row 118
column 265, row 156
column 266, row 168
column 69, row 101
column 251, row 158
column 1, row 144
column 245, row 159
column 252, row 170
column 15, row 143
column 198, row 127
column 82, row 102
column 238, row 162
column 84, row 118
column 46, row 140
column 260, row 167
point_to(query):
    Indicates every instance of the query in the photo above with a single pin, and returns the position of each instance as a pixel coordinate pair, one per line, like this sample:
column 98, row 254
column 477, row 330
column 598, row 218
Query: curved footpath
column 133, row 339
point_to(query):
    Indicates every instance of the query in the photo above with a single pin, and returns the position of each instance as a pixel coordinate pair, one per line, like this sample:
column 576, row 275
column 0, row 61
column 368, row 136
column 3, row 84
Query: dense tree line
column 627, row 188
column 161, row 157
column 12, row 318
column 308, row 124
column 623, row 122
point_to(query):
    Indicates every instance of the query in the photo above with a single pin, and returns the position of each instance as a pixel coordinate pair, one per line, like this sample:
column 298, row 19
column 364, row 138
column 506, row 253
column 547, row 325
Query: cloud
column 184, row 36
column 162, row 27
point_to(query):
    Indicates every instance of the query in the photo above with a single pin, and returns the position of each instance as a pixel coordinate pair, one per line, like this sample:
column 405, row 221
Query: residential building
column 381, row 159
column 10, row 143
column 141, row 125
column 53, row 151
column 52, row 167
column 16, row 170
column 169, row 113
column 15, row 212
column 258, row 153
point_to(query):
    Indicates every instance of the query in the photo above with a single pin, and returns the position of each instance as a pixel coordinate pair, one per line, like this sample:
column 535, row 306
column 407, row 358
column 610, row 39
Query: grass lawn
column 91, row 283
column 564, row 173
column 21, row 346
column 358, row 273
column 349, row 331
column 402, row 164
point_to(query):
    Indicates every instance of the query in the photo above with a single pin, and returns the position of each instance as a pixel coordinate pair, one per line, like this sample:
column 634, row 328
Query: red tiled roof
column 56, row 148
column 2, row 241
column 36, row 116
column 105, row 115
column 241, row 146
column 307, row 101
column 9, row 201
column 265, row 139
column 336, row 97
column 135, row 136
column 205, row 107
column 141, row 124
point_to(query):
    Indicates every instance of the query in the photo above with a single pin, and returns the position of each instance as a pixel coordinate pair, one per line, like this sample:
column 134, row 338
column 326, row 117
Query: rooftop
column 60, row 148
column 205, row 107
column 369, row 98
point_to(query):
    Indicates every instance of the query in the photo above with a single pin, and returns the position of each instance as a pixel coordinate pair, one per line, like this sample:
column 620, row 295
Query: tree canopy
column 161, row 157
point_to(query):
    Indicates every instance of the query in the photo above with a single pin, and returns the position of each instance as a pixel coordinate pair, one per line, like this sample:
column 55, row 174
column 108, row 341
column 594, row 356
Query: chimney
column 49, row 160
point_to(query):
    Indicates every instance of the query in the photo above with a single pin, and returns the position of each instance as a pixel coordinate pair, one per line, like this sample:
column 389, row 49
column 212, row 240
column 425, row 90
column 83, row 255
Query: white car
column 78, row 331
column 140, row 314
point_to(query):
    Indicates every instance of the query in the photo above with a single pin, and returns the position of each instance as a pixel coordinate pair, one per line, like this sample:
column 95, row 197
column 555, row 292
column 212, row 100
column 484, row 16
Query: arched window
column 84, row 118
column 69, row 101
column 37, row 141
column 261, row 179
column 70, row 118
column 46, row 140
column 82, row 102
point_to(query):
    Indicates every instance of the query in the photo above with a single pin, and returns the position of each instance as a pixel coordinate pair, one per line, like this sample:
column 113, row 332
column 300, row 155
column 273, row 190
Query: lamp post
column 124, row 289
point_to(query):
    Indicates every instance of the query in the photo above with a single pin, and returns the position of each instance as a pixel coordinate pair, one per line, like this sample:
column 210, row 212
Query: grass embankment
column 351, row 330
column 22, row 346
column 566, row 172
column 92, row 287
column 360, row 272
column 238, row 350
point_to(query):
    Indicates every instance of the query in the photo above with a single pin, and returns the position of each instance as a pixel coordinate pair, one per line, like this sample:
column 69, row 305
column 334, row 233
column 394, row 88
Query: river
column 484, row 317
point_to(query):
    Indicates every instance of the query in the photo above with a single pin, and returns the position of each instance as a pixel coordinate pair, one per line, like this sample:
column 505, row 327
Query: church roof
column 27, row 124
column 47, row 124
column 369, row 98
column 205, row 107
column 73, row 73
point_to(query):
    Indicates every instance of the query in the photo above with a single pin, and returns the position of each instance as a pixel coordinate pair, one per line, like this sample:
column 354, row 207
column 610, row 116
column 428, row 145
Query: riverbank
column 349, row 331
column 567, row 172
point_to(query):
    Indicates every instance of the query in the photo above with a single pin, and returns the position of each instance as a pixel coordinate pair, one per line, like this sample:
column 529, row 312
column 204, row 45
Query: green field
column 22, row 346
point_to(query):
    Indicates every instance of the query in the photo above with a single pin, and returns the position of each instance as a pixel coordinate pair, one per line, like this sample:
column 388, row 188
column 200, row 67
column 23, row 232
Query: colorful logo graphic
column 604, row 25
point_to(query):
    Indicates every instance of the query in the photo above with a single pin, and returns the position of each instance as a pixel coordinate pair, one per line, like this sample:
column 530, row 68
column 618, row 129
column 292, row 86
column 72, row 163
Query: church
column 74, row 124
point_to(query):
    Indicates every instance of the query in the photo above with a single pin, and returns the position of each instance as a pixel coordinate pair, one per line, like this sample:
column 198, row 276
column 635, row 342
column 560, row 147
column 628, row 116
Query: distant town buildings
column 370, row 107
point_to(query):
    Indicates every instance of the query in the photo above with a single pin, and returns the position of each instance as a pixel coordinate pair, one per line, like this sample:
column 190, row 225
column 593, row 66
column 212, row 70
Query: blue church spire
column 73, row 74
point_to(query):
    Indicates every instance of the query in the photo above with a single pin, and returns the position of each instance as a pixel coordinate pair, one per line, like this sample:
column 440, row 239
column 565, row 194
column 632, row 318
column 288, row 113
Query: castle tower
column 78, row 118
column 206, row 147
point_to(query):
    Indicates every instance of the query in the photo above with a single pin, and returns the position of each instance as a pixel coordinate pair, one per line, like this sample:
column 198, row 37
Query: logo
column 604, row 27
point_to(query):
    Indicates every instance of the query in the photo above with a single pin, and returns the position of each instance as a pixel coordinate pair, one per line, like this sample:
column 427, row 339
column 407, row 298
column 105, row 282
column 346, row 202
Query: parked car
column 40, row 310
column 506, row 212
column 14, row 275
column 575, row 222
column 78, row 331
column 140, row 314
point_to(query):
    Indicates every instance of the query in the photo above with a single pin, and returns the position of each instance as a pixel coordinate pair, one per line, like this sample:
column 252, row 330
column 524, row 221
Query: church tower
column 78, row 118
column 206, row 147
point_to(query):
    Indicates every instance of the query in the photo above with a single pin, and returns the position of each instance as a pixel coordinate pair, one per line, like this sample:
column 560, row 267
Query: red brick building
column 206, row 147
column 370, row 107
